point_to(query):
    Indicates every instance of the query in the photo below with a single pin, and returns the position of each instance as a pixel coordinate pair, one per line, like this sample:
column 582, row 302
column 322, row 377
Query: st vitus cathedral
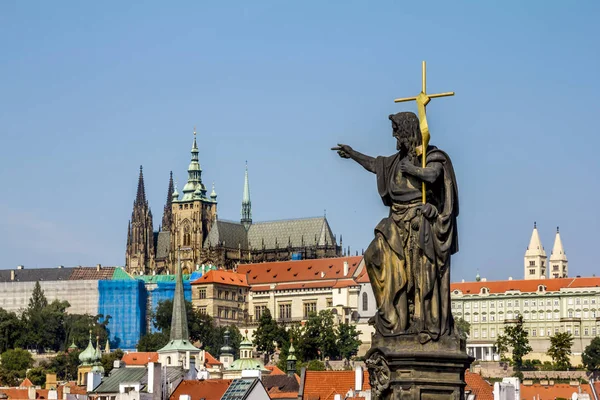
column 192, row 232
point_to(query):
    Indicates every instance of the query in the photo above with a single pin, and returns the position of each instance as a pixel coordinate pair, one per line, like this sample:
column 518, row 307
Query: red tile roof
column 540, row 392
column 363, row 276
column 479, row 386
column 344, row 283
column 92, row 273
column 209, row 360
column 274, row 370
column 140, row 358
column 551, row 285
column 324, row 385
column 323, row 270
column 26, row 383
column 222, row 277
column 211, row 389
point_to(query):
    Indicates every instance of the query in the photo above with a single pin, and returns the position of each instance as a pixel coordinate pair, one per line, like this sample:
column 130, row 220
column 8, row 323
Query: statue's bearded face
column 403, row 142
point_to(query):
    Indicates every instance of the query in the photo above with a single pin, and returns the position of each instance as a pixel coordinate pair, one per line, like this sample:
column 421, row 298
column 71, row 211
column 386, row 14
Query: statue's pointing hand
column 343, row 150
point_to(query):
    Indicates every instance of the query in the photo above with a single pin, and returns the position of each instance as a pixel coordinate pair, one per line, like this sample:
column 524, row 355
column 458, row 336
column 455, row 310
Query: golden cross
column 422, row 100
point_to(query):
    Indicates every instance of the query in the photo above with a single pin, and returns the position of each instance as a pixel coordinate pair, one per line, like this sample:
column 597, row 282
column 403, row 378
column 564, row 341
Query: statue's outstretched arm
column 346, row 151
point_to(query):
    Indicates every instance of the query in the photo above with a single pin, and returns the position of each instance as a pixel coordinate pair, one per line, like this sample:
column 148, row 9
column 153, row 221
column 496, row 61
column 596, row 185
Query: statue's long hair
column 406, row 124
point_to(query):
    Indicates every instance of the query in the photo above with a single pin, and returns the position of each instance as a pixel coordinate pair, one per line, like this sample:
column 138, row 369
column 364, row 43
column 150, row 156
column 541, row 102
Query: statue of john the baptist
column 408, row 262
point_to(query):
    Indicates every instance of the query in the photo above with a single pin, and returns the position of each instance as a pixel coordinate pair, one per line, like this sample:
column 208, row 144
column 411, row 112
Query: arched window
column 365, row 300
column 169, row 360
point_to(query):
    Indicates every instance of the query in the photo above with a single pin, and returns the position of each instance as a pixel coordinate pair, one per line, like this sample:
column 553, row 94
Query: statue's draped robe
column 408, row 262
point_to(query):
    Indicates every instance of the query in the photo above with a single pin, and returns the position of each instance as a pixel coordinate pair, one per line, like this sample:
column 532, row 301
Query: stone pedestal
column 401, row 368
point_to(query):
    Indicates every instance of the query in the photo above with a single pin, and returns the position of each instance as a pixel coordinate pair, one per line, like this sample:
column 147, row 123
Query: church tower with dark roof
column 139, row 256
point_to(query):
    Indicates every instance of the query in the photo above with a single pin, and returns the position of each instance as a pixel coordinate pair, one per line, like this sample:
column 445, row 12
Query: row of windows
column 526, row 303
column 532, row 316
column 285, row 309
column 227, row 313
column 536, row 332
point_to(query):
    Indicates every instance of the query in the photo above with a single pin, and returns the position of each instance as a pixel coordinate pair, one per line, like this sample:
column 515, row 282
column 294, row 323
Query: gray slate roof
column 232, row 233
column 110, row 384
column 37, row 274
column 284, row 383
column 162, row 244
column 298, row 232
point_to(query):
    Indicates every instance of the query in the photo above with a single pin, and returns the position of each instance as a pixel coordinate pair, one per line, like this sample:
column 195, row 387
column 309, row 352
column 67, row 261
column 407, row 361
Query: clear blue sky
column 91, row 90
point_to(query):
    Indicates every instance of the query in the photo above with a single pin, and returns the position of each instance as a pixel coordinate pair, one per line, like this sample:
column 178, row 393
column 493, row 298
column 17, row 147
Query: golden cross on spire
column 194, row 130
column 422, row 100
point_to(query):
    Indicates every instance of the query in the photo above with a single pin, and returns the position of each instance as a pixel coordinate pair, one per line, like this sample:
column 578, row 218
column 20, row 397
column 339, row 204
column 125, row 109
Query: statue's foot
column 424, row 338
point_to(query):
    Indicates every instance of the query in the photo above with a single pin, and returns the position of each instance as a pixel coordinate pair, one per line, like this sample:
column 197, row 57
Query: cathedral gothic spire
column 168, row 212
column 559, row 265
column 535, row 257
column 139, row 255
column 246, row 203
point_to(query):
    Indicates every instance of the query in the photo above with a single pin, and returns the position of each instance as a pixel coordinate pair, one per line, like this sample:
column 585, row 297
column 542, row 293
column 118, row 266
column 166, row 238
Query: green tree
column 462, row 327
column 152, row 341
column 53, row 330
column 37, row 375
column 64, row 365
column 315, row 365
column 268, row 335
column 14, row 364
column 318, row 338
column 218, row 340
column 44, row 322
column 16, row 360
column 347, row 340
column 11, row 330
column 294, row 335
column 501, row 346
column 108, row 360
column 591, row 355
column 515, row 337
column 560, row 350
column 78, row 327
column 37, row 301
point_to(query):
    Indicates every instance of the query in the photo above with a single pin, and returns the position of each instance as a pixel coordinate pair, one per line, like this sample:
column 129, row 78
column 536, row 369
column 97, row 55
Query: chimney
column 31, row 391
column 98, row 266
column 12, row 274
column 322, row 274
column 483, row 279
column 510, row 278
column 337, row 397
column 345, row 268
column 20, row 267
column 358, row 379
column 154, row 377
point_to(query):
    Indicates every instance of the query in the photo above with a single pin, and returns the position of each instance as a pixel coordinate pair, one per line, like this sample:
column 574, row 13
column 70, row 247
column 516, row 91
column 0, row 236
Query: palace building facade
column 192, row 232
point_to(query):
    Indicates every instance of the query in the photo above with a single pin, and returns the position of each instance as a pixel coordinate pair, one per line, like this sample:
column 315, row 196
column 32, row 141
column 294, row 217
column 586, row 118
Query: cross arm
column 431, row 96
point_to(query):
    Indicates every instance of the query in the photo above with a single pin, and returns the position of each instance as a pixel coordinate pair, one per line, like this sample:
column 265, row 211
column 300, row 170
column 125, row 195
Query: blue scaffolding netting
column 125, row 302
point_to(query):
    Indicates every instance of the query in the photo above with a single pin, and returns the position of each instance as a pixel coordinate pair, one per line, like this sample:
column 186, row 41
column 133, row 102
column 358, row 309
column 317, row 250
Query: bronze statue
column 408, row 262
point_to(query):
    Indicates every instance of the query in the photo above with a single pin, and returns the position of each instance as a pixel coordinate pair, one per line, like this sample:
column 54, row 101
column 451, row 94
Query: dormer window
column 541, row 288
column 485, row 290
